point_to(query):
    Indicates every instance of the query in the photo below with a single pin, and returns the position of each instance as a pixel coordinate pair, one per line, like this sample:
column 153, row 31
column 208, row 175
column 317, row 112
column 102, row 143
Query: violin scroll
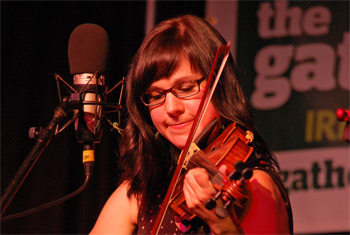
column 231, row 191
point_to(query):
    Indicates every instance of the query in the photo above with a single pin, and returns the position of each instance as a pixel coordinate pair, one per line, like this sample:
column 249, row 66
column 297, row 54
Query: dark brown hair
column 149, row 162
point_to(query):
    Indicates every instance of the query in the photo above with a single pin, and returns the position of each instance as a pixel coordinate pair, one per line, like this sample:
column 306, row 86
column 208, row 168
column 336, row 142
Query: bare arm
column 119, row 214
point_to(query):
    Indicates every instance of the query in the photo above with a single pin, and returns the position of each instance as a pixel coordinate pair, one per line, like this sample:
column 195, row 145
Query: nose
column 173, row 105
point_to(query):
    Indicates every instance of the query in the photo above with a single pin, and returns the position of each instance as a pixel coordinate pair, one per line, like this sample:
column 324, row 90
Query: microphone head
column 88, row 48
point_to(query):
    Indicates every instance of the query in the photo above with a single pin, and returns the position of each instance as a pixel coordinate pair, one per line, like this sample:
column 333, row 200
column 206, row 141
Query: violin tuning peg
column 239, row 166
column 247, row 173
column 210, row 204
column 220, row 212
column 235, row 175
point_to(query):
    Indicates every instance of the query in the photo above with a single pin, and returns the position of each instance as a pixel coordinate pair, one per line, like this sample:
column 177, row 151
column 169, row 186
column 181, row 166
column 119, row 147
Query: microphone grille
column 88, row 48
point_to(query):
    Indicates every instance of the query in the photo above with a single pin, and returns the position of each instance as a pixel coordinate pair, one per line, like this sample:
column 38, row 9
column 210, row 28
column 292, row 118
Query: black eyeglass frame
column 164, row 92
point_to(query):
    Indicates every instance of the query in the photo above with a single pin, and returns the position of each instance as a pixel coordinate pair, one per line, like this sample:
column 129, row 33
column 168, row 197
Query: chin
column 178, row 140
column 180, row 144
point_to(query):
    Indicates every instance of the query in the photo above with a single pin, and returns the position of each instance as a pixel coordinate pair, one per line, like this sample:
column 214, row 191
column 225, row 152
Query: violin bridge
column 192, row 150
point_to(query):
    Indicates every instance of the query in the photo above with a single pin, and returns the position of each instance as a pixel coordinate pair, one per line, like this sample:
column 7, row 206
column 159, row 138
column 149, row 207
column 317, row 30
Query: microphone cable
column 48, row 205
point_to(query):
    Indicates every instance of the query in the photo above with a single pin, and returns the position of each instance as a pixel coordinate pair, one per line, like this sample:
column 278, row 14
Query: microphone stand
column 41, row 143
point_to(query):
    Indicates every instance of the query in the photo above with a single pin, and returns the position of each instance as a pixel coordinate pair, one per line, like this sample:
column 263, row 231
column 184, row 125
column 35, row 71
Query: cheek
column 212, row 112
column 209, row 115
column 156, row 116
column 192, row 106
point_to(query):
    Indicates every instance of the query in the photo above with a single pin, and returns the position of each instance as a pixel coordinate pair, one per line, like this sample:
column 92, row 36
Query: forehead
column 184, row 72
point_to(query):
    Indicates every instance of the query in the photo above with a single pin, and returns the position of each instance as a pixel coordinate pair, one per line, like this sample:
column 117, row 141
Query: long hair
column 148, row 162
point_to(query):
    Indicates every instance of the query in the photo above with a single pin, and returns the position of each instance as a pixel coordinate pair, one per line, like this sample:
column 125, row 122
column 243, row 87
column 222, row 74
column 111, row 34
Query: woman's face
column 175, row 117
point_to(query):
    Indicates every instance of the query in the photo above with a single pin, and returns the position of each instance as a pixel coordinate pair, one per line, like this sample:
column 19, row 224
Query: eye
column 186, row 87
column 155, row 95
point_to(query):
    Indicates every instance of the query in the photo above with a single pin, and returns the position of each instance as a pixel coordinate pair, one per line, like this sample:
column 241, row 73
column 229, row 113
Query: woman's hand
column 197, row 190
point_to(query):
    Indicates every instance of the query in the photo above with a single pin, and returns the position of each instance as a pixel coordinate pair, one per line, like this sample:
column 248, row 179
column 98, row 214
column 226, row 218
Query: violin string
column 215, row 178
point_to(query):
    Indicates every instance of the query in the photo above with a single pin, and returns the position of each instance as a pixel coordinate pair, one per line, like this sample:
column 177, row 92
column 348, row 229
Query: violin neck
column 210, row 132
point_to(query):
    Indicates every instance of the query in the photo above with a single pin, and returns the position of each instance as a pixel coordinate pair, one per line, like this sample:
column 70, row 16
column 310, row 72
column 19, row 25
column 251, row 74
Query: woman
column 164, row 86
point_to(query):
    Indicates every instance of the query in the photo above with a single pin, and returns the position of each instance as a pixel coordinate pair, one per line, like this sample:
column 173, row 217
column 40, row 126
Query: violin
column 232, row 148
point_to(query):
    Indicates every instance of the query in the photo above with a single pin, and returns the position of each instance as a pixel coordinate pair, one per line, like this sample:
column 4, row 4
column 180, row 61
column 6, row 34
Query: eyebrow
column 178, row 81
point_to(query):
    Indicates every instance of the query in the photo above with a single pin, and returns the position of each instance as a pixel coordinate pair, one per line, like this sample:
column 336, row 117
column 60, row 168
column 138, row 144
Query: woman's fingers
column 223, row 169
column 197, row 188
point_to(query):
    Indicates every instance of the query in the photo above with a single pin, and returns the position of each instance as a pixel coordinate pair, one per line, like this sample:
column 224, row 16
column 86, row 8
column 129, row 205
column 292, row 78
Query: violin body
column 229, row 147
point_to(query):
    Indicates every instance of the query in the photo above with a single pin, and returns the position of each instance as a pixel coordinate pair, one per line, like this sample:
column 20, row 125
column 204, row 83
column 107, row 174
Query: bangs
column 163, row 63
column 161, row 57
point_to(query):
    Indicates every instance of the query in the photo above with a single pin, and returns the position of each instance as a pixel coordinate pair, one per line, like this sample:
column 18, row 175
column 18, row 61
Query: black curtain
column 34, row 42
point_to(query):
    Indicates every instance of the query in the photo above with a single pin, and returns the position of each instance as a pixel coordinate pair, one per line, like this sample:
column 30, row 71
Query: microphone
column 88, row 49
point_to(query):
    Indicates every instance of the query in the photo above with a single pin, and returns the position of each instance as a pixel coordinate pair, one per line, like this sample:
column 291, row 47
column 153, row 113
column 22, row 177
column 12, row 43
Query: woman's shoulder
column 266, row 208
column 120, row 197
column 119, row 214
column 261, row 180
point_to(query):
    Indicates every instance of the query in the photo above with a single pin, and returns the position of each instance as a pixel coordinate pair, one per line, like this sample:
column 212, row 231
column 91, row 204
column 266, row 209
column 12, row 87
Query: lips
column 179, row 126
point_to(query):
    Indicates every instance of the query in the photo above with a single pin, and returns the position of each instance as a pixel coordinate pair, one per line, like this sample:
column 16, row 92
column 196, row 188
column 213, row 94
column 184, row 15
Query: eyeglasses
column 181, row 90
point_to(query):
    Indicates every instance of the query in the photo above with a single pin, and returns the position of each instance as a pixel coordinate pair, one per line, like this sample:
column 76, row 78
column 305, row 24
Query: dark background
column 34, row 42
